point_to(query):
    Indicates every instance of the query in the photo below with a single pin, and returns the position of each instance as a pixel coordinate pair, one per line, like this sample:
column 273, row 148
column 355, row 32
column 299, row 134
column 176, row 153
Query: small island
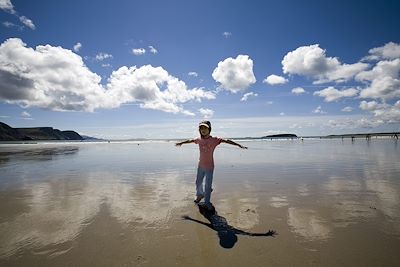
column 280, row 136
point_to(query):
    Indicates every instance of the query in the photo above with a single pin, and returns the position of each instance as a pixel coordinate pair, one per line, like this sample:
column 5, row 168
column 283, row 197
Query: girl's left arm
column 230, row 142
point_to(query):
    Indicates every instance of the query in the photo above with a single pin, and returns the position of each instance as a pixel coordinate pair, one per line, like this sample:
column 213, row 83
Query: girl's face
column 204, row 130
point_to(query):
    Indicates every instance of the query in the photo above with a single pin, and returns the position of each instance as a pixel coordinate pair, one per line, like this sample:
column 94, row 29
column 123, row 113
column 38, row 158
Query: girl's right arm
column 185, row 142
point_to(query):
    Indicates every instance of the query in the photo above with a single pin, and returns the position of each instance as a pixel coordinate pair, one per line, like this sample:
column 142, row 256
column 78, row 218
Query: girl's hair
column 208, row 123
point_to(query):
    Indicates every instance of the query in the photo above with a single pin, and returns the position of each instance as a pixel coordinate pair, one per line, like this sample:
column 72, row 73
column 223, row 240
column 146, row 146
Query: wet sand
column 332, row 203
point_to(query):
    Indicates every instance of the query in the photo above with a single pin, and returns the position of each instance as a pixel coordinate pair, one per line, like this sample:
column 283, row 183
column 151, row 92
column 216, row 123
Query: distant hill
column 90, row 138
column 8, row 133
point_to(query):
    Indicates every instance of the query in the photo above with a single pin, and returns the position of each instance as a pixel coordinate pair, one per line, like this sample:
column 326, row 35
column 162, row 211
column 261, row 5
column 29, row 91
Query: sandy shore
column 126, row 205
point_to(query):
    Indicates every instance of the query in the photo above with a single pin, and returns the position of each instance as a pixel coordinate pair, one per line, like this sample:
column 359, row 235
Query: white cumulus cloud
column 206, row 113
column 6, row 5
column 388, row 51
column 8, row 24
column 383, row 112
column 152, row 49
column 275, row 80
column 371, row 105
column 227, row 34
column 25, row 114
column 193, row 73
column 347, row 109
column 298, row 91
column 27, row 22
column 77, row 47
column 102, row 56
column 318, row 110
column 383, row 88
column 48, row 77
column 144, row 85
column 382, row 81
column 235, row 74
column 311, row 61
column 138, row 51
column 385, row 68
column 379, row 80
column 246, row 96
column 57, row 79
column 332, row 94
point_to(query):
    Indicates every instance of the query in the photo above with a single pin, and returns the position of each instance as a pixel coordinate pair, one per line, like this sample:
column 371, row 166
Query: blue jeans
column 199, row 183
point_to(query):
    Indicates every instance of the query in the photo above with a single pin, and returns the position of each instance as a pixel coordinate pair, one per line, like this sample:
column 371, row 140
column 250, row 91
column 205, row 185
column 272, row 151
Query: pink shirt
column 207, row 147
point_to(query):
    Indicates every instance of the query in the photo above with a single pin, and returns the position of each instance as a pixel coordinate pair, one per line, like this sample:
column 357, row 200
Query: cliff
column 8, row 133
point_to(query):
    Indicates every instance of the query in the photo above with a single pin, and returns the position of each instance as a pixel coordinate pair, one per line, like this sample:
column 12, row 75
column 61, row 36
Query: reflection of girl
column 207, row 145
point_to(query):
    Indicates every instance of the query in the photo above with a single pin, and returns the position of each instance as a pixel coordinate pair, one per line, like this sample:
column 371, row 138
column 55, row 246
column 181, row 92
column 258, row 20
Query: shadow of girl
column 227, row 234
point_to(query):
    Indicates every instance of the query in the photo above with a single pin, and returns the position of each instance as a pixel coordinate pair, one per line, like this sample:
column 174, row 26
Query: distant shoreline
column 369, row 136
column 31, row 135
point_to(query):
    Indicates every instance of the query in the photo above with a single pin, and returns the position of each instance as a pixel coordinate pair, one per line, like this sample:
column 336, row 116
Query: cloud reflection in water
column 308, row 224
column 59, row 210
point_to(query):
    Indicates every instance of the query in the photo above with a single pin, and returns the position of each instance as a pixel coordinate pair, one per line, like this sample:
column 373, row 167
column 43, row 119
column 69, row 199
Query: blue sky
column 130, row 69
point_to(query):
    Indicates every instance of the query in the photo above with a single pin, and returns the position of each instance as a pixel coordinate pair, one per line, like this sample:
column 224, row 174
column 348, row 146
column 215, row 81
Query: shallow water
column 332, row 203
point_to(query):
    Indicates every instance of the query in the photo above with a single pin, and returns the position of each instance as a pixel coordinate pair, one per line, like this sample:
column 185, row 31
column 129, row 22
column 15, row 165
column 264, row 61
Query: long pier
column 367, row 136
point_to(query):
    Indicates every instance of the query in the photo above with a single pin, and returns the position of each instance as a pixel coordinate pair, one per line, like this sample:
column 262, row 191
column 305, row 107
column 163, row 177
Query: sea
column 333, row 202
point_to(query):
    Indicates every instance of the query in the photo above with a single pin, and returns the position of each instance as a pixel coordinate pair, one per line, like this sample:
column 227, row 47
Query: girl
column 207, row 145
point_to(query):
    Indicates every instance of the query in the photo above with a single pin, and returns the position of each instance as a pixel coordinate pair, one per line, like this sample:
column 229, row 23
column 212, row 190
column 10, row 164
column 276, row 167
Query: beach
column 331, row 202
